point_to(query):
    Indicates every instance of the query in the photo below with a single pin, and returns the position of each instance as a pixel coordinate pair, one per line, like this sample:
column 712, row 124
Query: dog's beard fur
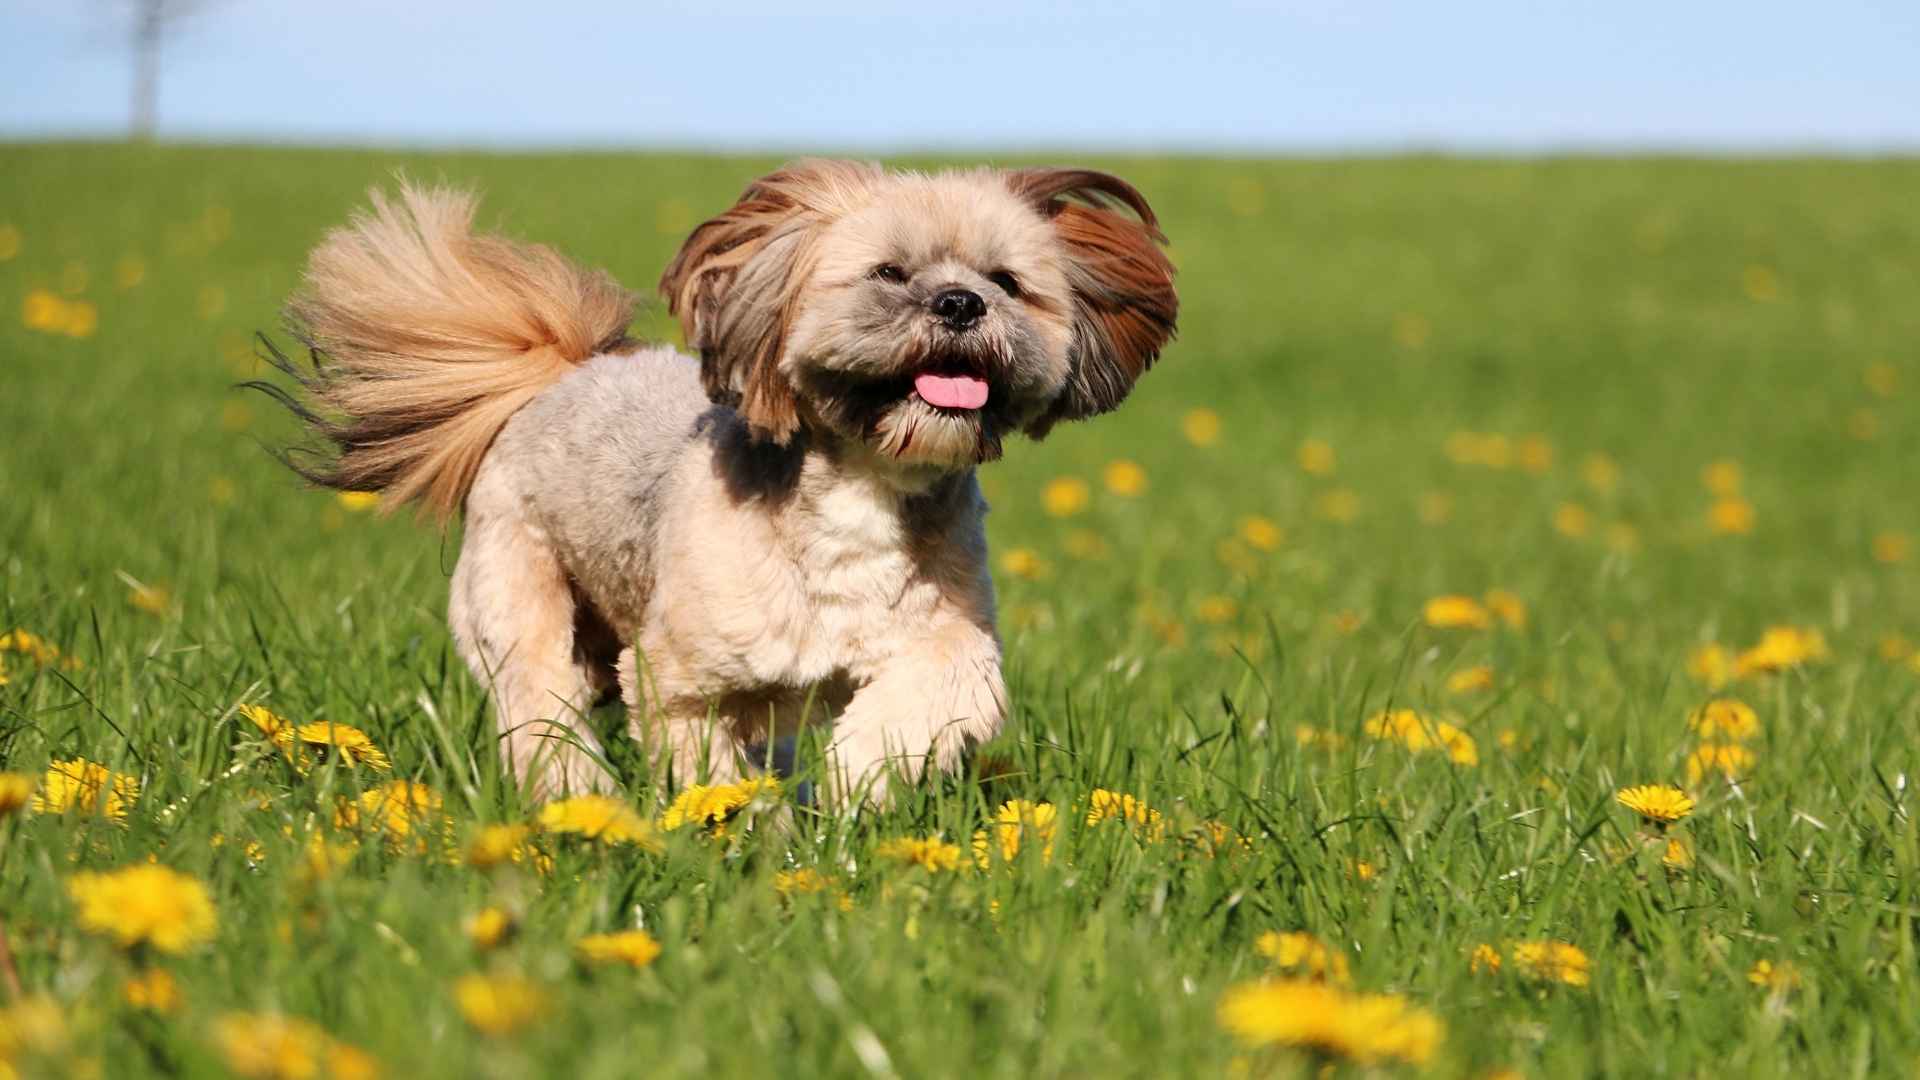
column 876, row 403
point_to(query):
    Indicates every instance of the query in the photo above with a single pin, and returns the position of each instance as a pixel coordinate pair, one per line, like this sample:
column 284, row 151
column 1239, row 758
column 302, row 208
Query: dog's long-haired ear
column 736, row 285
column 1124, row 305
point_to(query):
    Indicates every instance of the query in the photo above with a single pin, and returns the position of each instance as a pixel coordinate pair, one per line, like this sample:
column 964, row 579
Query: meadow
column 1473, row 493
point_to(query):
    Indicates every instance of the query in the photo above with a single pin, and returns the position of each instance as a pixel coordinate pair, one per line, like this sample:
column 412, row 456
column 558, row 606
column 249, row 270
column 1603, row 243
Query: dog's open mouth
column 952, row 384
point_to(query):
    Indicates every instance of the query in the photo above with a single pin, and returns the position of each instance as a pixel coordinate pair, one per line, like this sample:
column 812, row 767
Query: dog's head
column 925, row 316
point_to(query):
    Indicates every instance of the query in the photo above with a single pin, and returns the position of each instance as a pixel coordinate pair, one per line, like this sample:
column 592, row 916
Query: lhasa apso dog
column 785, row 531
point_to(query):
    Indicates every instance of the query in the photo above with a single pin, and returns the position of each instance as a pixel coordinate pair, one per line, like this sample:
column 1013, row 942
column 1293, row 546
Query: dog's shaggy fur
column 787, row 529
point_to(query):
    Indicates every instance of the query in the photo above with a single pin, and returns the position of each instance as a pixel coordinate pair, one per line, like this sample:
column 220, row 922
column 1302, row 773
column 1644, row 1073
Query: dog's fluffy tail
column 426, row 338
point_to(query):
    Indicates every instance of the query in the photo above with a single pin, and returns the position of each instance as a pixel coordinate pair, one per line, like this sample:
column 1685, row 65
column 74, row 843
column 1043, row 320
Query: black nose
column 959, row 308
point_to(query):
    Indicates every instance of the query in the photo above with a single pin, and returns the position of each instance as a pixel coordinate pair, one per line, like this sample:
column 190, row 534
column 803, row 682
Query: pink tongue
column 951, row 391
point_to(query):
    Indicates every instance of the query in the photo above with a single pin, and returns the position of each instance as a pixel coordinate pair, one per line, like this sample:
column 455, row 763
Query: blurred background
column 1508, row 277
column 1320, row 76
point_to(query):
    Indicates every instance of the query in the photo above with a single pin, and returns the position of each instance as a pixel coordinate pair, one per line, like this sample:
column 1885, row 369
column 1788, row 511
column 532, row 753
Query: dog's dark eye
column 891, row 273
column 1007, row 282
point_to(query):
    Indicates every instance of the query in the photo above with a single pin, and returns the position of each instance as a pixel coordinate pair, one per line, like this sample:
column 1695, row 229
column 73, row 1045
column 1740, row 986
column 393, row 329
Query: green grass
column 1664, row 313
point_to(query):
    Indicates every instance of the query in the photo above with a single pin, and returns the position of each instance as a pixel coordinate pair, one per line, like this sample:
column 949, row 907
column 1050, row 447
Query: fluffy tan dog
column 787, row 530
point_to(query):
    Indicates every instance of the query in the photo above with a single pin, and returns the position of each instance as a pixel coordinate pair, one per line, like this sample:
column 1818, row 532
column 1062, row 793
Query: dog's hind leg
column 514, row 617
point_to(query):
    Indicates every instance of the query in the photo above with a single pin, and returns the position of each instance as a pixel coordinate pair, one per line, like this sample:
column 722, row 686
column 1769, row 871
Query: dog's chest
column 826, row 585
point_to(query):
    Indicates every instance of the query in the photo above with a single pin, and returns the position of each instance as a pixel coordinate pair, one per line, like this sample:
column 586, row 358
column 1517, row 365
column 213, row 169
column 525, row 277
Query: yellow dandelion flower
column 1104, row 805
column 599, row 817
column 1551, row 961
column 634, row 948
column 321, row 858
column 1891, row 548
column 1363, row 871
column 1412, row 330
column 1863, row 424
column 1493, row 451
column 1778, row 978
column 152, row 599
column 1725, row 718
column 79, row 319
column 154, row 990
column 499, row 1004
column 1601, row 473
column 1297, row 951
column 1455, row 612
column 1308, row 735
column 929, row 853
column 1781, row 648
column 129, row 272
column 308, row 744
column 10, row 241
column 1316, row 457
column 1572, row 520
column 1085, row 544
column 807, row 881
column 144, row 904
column 1470, row 680
column 1435, row 508
column 1895, row 648
column 16, row 790
column 488, row 928
column 42, row 652
column 397, row 809
column 1722, row 478
column 1535, row 454
column 1261, row 533
column 1678, row 854
column 1214, row 839
column 1201, row 426
column 265, row 1046
column 86, row 787
column 1659, row 803
column 1507, row 607
column 1882, row 378
column 1712, row 665
column 1419, row 733
column 357, row 501
column 1023, row 563
column 1761, row 283
column 1338, row 505
column 30, row 1027
column 1125, row 478
column 1484, row 960
column 1730, row 760
column 1623, row 538
column 1016, row 820
column 495, row 845
column 712, row 806
column 1215, row 609
column 802, row 882
column 1065, row 496
column 43, row 310
column 1365, row 1028
column 1731, row 516
column 270, row 723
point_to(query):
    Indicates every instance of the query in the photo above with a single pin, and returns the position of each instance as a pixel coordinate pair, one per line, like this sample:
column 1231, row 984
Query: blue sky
column 1316, row 76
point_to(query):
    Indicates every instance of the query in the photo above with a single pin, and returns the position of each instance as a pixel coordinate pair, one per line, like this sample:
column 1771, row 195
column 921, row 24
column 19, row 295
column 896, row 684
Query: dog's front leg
column 918, row 709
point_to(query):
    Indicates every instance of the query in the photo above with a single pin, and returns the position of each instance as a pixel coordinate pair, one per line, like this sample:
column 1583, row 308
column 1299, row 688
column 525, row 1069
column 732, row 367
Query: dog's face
column 925, row 317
